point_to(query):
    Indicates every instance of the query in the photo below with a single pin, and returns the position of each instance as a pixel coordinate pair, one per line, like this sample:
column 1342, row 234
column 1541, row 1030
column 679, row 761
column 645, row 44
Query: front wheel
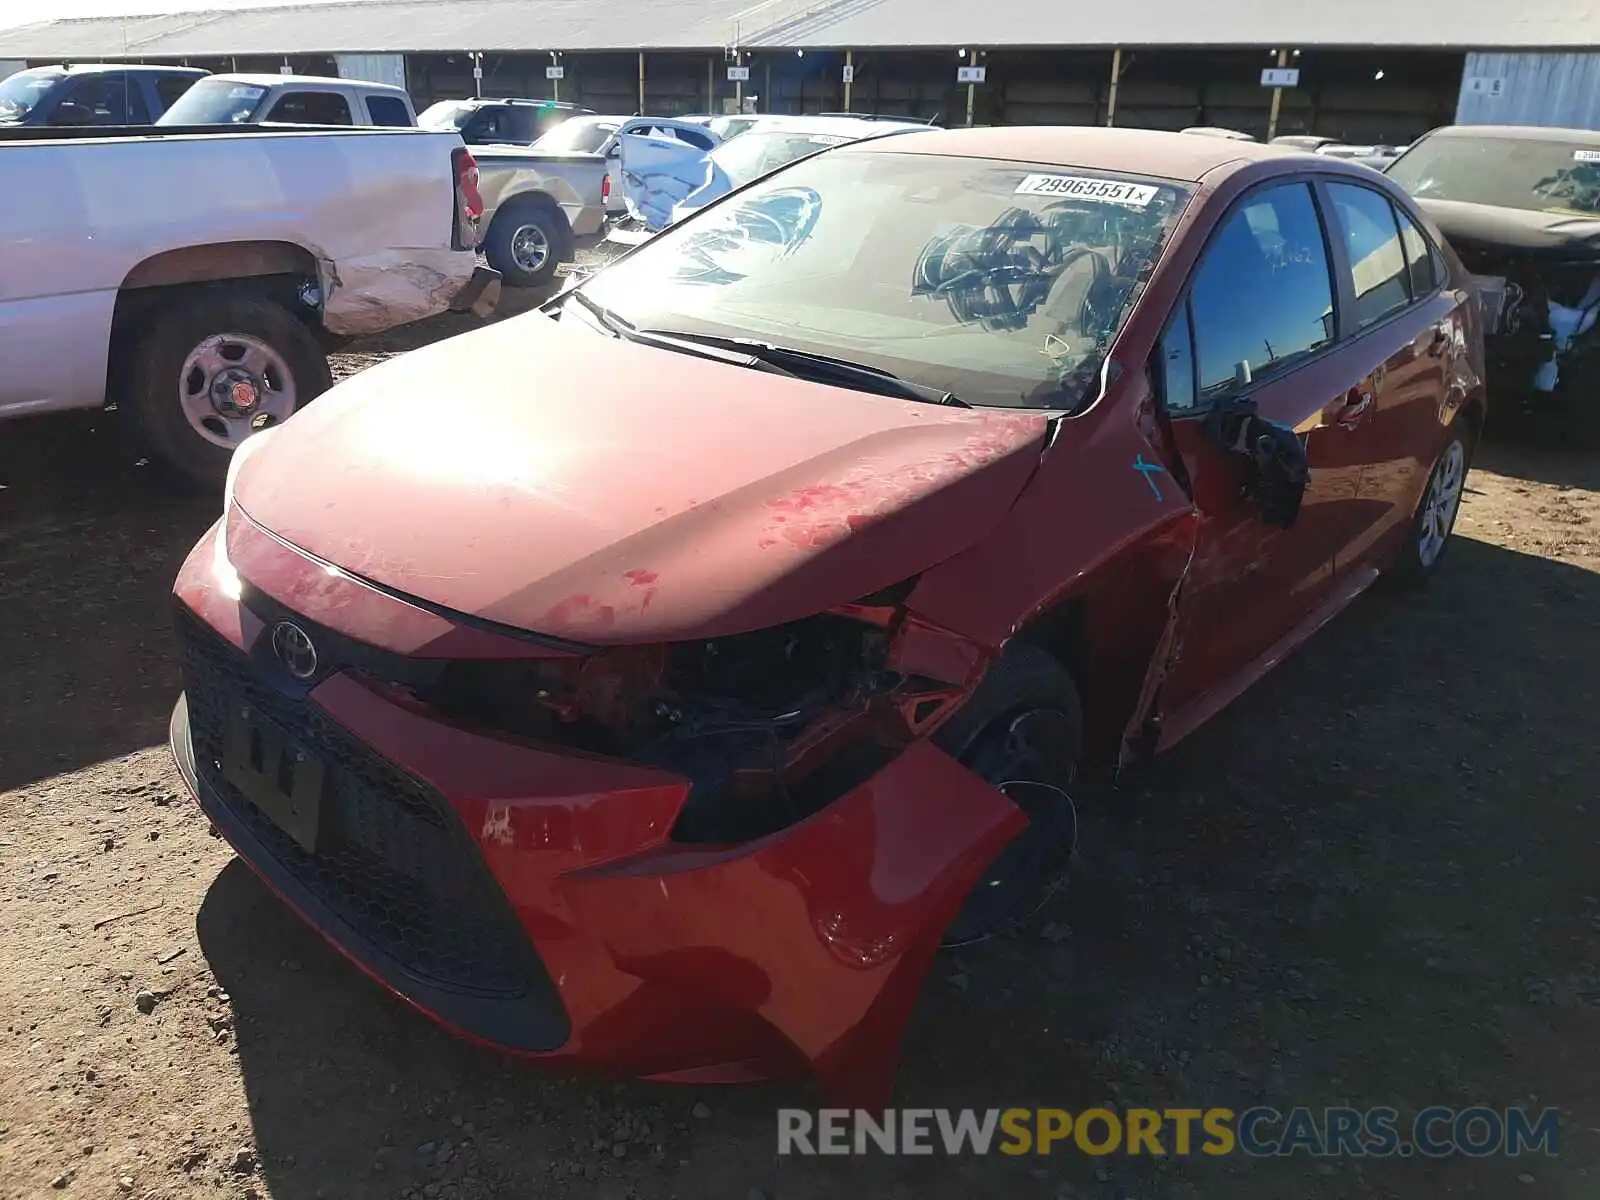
column 211, row 371
column 1435, row 518
column 1022, row 731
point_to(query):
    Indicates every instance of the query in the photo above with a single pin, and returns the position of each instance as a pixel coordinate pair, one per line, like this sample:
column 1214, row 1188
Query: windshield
column 1508, row 172
column 446, row 114
column 214, row 102
column 21, row 94
column 1002, row 283
column 752, row 155
column 577, row 137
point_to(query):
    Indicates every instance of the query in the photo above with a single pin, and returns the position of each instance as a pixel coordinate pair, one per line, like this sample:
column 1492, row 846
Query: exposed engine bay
column 1539, row 318
column 769, row 725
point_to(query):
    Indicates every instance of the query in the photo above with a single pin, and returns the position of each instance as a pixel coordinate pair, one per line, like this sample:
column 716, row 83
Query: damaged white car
column 1521, row 206
column 663, row 182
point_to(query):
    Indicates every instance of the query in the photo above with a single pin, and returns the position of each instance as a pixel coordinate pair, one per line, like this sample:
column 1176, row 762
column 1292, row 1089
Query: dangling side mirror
column 1277, row 470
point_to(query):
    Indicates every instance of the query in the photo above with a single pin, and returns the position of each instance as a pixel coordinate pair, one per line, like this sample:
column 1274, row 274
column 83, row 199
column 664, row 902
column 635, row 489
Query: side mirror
column 1277, row 470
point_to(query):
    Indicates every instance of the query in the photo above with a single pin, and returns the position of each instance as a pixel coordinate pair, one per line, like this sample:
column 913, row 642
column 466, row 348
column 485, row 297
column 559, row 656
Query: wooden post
column 555, row 84
column 641, row 83
column 849, row 77
column 1277, row 99
column 1116, row 78
column 738, row 84
column 711, row 85
column 767, row 86
column 972, row 88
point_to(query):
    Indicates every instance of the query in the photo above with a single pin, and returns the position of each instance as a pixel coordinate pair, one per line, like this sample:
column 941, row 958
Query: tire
column 1027, row 697
column 518, row 231
column 177, row 381
column 1431, row 528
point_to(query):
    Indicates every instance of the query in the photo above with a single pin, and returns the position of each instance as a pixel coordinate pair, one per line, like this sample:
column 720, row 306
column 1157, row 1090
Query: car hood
column 554, row 479
column 1543, row 235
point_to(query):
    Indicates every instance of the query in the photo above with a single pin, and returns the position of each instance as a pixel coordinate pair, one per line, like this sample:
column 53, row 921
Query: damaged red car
column 653, row 683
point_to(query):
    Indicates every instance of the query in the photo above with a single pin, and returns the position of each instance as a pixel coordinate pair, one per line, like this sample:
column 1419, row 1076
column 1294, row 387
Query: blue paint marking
column 1150, row 471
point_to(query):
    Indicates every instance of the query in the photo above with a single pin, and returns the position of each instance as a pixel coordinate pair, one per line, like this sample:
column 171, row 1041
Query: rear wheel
column 526, row 242
column 1022, row 731
column 211, row 371
column 1435, row 518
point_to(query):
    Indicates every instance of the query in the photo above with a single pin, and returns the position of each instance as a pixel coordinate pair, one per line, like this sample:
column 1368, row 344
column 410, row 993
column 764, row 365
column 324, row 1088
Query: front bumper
column 533, row 900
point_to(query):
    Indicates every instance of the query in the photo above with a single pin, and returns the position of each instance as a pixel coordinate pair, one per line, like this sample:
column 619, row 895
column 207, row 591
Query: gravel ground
column 1370, row 882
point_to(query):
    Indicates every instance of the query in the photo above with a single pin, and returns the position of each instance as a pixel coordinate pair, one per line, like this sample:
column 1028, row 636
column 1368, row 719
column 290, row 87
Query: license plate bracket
column 275, row 773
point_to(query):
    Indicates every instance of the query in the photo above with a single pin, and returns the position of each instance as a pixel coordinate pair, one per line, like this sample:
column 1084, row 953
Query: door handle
column 1357, row 403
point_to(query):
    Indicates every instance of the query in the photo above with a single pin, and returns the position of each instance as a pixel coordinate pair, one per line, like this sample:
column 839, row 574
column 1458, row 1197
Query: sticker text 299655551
column 1076, row 187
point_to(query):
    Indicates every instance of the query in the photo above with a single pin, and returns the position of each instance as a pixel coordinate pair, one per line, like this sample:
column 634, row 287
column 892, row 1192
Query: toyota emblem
column 294, row 649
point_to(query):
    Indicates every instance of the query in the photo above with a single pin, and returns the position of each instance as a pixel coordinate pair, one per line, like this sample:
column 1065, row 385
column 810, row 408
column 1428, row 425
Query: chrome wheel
column 232, row 385
column 1440, row 504
column 530, row 248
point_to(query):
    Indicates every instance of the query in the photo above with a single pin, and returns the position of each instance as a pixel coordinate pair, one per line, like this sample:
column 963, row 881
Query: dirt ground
column 1372, row 881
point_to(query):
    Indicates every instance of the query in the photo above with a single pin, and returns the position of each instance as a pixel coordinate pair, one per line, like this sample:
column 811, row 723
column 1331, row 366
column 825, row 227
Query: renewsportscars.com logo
column 1436, row 1132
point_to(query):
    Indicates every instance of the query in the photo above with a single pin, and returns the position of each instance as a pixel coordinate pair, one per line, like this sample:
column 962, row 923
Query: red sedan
column 653, row 683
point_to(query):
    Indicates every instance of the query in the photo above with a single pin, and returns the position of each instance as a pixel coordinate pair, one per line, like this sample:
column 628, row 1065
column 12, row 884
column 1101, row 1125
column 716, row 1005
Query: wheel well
column 1062, row 632
column 1473, row 414
column 221, row 261
column 542, row 200
column 137, row 304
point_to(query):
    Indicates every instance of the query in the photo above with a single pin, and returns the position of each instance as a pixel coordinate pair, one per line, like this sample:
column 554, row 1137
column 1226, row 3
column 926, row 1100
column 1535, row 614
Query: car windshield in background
column 577, row 136
column 1002, row 283
column 21, row 94
column 752, row 155
column 446, row 114
column 214, row 102
column 1508, row 172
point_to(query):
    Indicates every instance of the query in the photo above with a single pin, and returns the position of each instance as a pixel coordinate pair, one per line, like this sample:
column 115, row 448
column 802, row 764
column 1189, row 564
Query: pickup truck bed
column 538, row 207
column 254, row 247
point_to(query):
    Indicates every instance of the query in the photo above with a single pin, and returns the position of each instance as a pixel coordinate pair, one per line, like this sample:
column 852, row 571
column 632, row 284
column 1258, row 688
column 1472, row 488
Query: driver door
column 1258, row 326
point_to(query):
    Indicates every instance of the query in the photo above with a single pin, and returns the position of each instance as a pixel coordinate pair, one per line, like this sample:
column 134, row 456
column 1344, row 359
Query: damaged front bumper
column 536, row 900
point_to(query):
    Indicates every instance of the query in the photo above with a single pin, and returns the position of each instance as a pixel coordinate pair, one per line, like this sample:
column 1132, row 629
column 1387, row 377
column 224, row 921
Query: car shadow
column 91, row 537
column 1538, row 462
column 1358, row 885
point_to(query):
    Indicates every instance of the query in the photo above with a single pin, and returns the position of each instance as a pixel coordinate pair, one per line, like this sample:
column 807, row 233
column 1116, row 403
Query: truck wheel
column 1022, row 731
column 527, row 241
column 212, row 371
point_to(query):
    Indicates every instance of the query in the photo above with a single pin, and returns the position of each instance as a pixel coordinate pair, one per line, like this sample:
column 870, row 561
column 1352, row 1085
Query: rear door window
column 170, row 87
column 1419, row 257
column 1262, row 296
column 99, row 99
column 311, row 108
column 1366, row 221
column 389, row 111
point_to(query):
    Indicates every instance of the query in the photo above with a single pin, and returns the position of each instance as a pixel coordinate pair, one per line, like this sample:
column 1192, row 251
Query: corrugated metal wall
column 1535, row 89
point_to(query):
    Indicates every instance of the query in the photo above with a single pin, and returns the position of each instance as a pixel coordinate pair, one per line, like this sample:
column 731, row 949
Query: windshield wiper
column 677, row 343
column 822, row 368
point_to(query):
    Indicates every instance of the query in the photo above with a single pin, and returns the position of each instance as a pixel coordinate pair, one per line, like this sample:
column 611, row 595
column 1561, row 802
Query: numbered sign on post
column 738, row 74
column 849, row 73
column 1277, row 77
column 971, row 74
column 1485, row 85
column 555, row 72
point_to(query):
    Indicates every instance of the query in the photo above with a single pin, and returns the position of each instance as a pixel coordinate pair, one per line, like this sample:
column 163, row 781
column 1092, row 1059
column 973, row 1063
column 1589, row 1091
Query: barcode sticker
column 1107, row 191
column 1586, row 155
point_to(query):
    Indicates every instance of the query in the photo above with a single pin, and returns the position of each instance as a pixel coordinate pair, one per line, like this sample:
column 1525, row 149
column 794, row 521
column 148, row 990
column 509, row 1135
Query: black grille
column 393, row 865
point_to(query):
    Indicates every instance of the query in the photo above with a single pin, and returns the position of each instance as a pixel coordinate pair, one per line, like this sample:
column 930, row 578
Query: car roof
column 1527, row 133
column 485, row 101
column 1180, row 156
column 265, row 80
column 138, row 68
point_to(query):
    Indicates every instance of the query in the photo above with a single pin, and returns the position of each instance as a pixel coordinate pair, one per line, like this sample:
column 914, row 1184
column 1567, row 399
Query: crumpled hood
column 657, row 173
column 557, row 480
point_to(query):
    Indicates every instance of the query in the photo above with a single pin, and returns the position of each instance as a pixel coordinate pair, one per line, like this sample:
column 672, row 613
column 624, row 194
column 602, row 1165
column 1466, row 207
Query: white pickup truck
column 196, row 278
